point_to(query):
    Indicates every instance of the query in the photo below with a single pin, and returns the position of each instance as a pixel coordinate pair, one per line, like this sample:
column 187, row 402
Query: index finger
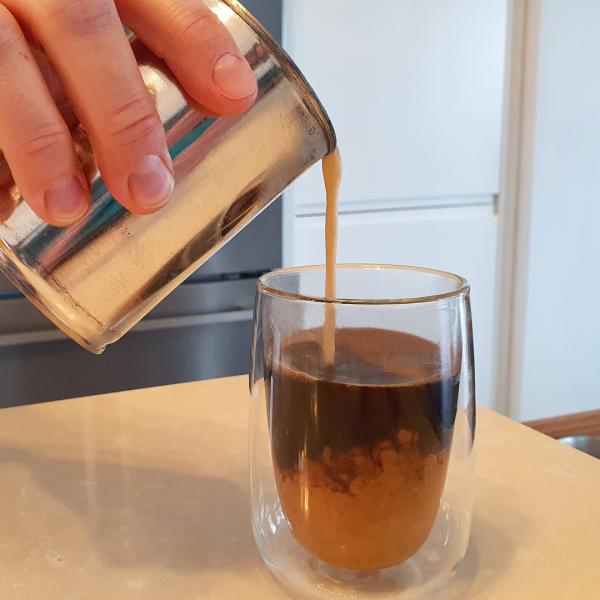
column 191, row 39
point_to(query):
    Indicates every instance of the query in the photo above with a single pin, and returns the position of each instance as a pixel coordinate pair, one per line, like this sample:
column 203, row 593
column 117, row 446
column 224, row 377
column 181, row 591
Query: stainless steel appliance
column 201, row 330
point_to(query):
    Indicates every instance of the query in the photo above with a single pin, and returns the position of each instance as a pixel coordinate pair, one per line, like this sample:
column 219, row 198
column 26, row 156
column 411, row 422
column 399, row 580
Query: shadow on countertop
column 140, row 517
column 490, row 551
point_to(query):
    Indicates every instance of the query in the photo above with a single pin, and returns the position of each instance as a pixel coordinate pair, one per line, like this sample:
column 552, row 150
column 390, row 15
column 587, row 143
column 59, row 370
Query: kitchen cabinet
column 415, row 89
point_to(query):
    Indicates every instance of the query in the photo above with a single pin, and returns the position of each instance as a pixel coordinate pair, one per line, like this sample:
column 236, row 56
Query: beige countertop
column 143, row 495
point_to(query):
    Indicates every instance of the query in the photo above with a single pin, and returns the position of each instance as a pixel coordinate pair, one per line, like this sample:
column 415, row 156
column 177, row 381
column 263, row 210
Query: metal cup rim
column 291, row 70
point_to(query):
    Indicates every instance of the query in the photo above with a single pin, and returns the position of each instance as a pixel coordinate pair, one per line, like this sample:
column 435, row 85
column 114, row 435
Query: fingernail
column 152, row 185
column 234, row 77
column 66, row 201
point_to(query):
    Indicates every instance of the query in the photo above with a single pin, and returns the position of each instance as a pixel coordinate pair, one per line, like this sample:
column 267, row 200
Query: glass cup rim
column 462, row 285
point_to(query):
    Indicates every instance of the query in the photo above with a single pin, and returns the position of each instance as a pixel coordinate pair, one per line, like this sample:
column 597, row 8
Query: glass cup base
column 307, row 577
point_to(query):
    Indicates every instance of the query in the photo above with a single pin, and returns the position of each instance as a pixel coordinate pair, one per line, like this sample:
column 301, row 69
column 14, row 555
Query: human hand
column 90, row 63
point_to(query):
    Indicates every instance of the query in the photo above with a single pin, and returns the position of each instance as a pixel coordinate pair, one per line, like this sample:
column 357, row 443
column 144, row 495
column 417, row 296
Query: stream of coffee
column 332, row 176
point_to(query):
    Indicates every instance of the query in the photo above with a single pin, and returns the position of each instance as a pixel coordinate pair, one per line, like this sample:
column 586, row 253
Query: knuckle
column 44, row 141
column 197, row 26
column 81, row 18
column 133, row 121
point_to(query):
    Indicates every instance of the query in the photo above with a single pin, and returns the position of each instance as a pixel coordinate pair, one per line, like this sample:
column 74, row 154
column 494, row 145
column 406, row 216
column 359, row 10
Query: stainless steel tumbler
column 98, row 278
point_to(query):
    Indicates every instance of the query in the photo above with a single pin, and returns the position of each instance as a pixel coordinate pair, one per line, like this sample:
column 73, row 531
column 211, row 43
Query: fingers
column 90, row 53
column 89, row 49
column 198, row 48
column 33, row 136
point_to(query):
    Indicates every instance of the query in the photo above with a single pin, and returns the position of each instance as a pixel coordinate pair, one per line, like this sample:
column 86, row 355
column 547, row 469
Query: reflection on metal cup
column 98, row 278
